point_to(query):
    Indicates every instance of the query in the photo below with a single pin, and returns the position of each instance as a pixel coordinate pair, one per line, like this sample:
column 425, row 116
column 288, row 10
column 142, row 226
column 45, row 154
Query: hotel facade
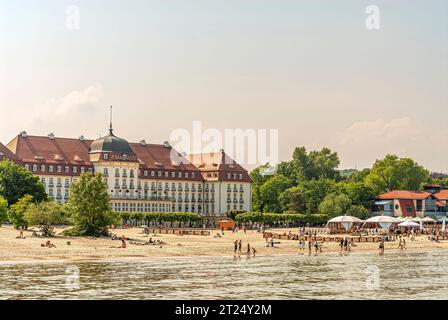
column 139, row 176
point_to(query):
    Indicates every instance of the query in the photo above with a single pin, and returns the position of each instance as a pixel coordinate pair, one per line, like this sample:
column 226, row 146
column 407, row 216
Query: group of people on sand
column 312, row 244
column 346, row 245
column 237, row 248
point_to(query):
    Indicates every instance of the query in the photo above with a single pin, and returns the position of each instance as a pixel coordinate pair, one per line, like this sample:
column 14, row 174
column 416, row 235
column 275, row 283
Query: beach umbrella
column 345, row 220
column 384, row 221
column 428, row 219
column 408, row 224
column 417, row 219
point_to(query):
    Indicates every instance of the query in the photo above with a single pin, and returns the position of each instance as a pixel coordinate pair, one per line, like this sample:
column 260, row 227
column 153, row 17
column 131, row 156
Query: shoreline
column 83, row 249
column 179, row 257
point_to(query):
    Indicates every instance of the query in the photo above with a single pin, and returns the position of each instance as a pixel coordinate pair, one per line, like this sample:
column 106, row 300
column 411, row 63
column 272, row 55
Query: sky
column 310, row 69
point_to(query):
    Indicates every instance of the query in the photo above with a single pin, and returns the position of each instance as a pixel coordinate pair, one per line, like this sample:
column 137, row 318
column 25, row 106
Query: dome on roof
column 110, row 143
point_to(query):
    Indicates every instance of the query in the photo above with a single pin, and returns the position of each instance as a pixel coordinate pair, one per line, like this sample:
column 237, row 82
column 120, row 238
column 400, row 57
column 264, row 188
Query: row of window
column 58, row 169
column 58, row 183
column 156, row 207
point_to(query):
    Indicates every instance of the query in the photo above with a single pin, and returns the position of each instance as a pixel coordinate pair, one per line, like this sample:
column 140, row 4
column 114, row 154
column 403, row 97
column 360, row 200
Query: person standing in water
column 240, row 244
column 310, row 246
column 248, row 249
column 235, row 246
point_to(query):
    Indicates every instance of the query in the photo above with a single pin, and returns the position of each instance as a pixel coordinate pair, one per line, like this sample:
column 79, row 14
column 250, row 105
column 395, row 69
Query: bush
column 45, row 215
column 16, row 213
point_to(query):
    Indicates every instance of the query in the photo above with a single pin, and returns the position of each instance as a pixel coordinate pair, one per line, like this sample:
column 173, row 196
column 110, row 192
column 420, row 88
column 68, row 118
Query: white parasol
column 409, row 224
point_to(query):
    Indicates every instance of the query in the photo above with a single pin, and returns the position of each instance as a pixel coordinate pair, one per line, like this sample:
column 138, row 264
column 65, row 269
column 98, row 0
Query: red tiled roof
column 440, row 204
column 36, row 149
column 404, row 195
column 441, row 195
column 6, row 153
column 68, row 151
column 220, row 163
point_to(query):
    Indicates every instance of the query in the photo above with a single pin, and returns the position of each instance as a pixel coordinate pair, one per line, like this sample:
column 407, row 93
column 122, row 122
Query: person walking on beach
column 235, row 246
column 341, row 244
column 381, row 247
column 301, row 247
column 248, row 249
column 240, row 244
column 310, row 246
column 254, row 251
column 316, row 247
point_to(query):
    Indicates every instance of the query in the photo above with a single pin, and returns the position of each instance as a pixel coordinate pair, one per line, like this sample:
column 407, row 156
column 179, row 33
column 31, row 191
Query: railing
column 126, row 197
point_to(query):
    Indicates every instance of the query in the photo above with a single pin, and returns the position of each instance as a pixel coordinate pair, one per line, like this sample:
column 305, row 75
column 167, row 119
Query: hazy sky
column 310, row 69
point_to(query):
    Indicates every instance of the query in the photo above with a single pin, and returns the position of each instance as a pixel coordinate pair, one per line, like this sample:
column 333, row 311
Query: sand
column 83, row 248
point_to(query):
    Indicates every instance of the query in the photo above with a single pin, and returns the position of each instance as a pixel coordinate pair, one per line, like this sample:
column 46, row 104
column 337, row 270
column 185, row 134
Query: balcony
column 153, row 188
column 235, row 190
column 229, row 190
column 173, row 188
column 59, row 185
column 146, row 187
column 229, row 201
column 131, row 186
column 241, row 190
column 51, row 185
column 117, row 175
column 235, row 201
column 241, row 201
column 117, row 186
column 212, row 200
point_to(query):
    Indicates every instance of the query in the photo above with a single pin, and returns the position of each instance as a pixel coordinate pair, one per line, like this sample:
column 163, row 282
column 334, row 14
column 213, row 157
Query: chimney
column 81, row 137
column 23, row 134
column 166, row 144
column 221, row 150
column 143, row 142
column 51, row 136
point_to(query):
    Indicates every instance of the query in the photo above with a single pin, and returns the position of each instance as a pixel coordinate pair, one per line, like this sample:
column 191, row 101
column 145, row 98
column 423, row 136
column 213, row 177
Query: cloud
column 76, row 111
column 379, row 131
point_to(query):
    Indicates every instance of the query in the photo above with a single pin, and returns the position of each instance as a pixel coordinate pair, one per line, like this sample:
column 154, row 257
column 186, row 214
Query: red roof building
column 140, row 176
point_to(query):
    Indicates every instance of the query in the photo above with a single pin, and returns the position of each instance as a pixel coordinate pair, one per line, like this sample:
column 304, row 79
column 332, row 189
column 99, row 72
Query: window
column 51, row 168
column 75, row 169
column 67, row 169
column 419, row 205
column 105, row 172
column 186, row 174
column 105, row 156
column 34, row 167
column 179, row 174
column 241, row 176
column 166, row 173
column 27, row 166
column 173, row 174
column 145, row 173
column 228, row 176
column 59, row 168
column 234, row 176
column 153, row 173
column 42, row 168
column 117, row 173
column 82, row 169
column 192, row 175
column 159, row 173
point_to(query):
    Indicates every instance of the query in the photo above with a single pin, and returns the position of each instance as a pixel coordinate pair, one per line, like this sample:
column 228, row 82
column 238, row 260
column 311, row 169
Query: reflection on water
column 416, row 275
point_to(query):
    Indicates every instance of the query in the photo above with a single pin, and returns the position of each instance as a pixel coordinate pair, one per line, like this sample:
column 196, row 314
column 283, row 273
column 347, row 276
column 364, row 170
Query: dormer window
column 75, row 169
column 50, row 168
column 42, row 168
column 59, row 168
column 34, row 167
column 106, row 156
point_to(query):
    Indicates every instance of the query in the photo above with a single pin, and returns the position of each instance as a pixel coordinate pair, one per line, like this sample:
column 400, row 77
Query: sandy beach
column 29, row 249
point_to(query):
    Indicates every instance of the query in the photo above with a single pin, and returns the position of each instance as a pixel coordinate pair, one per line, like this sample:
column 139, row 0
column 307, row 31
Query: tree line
column 310, row 183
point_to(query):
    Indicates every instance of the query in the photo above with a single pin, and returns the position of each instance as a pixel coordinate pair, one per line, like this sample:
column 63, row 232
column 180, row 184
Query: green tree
column 3, row 210
column 16, row 182
column 314, row 192
column 89, row 206
column 293, row 199
column 359, row 192
column 16, row 213
column 45, row 215
column 335, row 205
column 392, row 173
column 270, row 192
column 358, row 211
column 315, row 164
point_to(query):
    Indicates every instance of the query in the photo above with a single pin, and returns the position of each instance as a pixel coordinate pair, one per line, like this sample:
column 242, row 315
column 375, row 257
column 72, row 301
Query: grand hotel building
column 139, row 176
